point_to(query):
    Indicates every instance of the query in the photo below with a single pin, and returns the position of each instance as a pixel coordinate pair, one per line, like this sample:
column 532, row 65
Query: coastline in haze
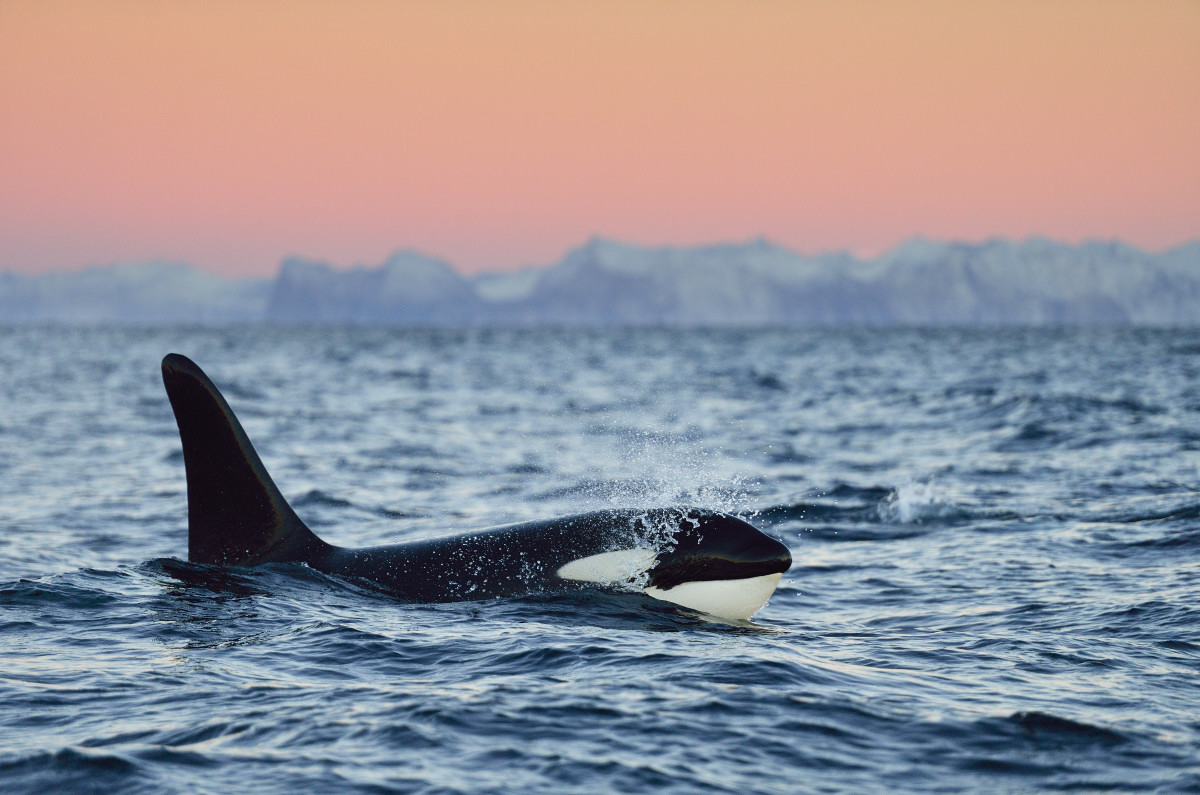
column 1035, row 282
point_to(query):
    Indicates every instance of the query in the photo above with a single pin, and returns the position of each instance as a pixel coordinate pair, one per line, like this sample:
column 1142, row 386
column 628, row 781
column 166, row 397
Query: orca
column 703, row 560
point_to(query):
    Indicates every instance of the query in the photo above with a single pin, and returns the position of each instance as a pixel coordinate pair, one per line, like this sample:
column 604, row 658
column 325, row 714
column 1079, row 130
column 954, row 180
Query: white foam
column 914, row 502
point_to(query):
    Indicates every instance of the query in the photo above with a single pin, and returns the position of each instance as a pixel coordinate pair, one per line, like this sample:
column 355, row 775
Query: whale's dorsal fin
column 236, row 514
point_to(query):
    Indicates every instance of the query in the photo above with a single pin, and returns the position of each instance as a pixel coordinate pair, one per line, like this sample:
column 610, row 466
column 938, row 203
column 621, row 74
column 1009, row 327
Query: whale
column 706, row 561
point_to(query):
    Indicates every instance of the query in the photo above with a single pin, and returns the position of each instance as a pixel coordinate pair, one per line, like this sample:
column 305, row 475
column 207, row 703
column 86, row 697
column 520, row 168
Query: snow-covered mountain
column 922, row 282
column 408, row 288
column 756, row 283
column 1000, row 282
column 1040, row 282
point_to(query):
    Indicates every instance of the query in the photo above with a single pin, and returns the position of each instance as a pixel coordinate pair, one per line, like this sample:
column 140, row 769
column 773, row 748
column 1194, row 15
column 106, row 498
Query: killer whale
column 700, row 559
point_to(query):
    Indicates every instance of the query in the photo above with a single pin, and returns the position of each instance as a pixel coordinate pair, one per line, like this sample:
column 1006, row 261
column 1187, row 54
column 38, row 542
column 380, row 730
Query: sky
column 501, row 134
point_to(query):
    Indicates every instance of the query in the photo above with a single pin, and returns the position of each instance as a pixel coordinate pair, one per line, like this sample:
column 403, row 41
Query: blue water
column 996, row 538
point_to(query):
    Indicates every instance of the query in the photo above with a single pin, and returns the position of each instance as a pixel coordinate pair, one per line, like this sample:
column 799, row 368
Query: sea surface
column 995, row 588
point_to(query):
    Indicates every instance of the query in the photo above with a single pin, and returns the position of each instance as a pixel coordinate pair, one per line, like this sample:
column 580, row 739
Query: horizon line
column 598, row 238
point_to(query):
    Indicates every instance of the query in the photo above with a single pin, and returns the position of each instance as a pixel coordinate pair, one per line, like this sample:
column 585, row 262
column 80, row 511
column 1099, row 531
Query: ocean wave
column 1018, row 611
column 879, row 509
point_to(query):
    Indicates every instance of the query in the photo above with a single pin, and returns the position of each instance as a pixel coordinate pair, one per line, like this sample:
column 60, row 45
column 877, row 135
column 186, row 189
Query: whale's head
column 716, row 546
column 718, row 564
column 704, row 560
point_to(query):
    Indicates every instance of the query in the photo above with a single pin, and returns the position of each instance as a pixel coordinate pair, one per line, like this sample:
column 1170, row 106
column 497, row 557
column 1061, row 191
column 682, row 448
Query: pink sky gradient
column 230, row 134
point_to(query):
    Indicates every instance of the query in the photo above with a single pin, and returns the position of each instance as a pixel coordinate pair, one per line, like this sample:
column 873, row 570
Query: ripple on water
column 992, row 588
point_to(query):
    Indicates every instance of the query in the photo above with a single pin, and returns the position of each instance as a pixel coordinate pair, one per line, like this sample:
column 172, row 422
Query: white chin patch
column 733, row 600
column 609, row 568
column 729, row 599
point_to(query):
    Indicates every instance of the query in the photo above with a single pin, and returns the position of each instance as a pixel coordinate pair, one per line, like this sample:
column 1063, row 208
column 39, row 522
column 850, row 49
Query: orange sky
column 497, row 134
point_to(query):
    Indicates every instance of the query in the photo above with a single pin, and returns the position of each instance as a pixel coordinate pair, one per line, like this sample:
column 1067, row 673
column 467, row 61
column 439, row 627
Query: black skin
column 237, row 516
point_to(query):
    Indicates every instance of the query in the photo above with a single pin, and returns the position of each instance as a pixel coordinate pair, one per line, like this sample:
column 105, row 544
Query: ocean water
column 996, row 586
